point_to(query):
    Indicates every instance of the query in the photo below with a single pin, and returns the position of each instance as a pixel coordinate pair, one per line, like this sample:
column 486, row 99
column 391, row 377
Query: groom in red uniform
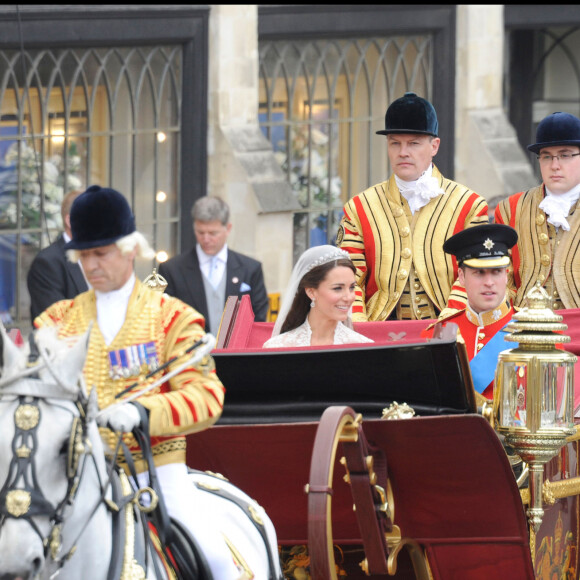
column 482, row 254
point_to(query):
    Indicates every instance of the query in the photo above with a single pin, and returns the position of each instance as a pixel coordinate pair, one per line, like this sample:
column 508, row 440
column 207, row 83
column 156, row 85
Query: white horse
column 63, row 511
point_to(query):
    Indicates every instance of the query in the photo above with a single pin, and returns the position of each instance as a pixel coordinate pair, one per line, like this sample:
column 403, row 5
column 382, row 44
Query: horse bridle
column 21, row 496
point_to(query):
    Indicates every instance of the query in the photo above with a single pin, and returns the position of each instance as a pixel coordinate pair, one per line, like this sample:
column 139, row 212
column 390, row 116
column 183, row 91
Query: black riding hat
column 557, row 129
column 411, row 114
column 98, row 217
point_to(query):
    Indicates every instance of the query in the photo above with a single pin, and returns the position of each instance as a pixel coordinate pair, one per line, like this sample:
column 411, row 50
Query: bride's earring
column 313, row 303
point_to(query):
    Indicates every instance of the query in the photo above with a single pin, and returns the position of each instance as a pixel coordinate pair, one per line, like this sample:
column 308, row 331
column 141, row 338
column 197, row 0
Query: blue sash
column 484, row 363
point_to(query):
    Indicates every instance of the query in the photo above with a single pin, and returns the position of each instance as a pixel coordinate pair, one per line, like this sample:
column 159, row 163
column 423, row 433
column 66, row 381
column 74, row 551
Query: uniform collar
column 489, row 316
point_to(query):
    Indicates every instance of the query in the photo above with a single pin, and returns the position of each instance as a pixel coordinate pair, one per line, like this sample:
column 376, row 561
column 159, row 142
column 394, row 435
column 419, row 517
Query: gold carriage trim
column 26, row 417
column 18, row 502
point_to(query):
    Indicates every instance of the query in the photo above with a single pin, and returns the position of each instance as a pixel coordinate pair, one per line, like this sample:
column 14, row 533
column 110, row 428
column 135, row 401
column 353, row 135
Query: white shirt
column 205, row 262
column 112, row 309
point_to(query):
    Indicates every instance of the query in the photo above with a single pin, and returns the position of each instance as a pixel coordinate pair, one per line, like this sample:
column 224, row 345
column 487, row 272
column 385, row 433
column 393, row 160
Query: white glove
column 119, row 417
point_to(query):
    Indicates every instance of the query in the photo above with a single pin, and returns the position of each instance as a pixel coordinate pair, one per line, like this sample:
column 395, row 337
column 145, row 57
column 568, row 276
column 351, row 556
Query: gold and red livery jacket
column 385, row 243
column 532, row 257
column 190, row 401
column 476, row 330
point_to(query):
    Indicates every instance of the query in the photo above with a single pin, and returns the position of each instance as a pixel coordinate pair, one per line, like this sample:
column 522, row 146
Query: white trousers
column 184, row 504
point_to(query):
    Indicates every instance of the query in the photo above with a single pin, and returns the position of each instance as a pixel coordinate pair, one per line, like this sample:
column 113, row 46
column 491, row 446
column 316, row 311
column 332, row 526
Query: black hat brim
column 537, row 147
column 89, row 244
column 405, row 131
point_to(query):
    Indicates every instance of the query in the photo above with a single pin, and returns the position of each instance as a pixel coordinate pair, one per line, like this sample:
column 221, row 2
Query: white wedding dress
column 302, row 336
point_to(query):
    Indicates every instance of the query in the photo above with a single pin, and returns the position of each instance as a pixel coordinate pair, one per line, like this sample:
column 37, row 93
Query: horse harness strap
column 21, row 496
column 246, row 507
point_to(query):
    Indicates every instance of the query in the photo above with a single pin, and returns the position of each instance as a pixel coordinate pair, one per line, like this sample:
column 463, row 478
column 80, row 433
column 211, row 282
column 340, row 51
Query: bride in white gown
column 316, row 308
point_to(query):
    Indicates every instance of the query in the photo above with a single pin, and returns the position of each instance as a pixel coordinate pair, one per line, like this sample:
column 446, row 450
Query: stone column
column 488, row 157
column 242, row 169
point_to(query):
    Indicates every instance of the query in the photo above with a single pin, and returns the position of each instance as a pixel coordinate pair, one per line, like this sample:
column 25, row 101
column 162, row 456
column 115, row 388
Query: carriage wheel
column 339, row 425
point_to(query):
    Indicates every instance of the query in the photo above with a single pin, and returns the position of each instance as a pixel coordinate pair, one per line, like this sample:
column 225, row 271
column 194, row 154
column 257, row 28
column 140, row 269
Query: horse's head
column 45, row 416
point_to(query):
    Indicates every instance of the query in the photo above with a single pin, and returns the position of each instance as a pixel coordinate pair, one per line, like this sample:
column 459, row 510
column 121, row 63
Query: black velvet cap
column 557, row 129
column 98, row 217
column 484, row 246
column 411, row 114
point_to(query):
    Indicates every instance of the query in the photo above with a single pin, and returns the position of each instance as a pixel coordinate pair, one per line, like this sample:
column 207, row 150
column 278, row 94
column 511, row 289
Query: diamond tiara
column 329, row 257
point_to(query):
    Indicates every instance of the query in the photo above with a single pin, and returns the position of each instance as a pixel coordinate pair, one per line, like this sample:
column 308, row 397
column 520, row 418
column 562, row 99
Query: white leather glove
column 119, row 417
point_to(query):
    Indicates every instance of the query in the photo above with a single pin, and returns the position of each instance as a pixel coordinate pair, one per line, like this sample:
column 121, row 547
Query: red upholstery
column 247, row 334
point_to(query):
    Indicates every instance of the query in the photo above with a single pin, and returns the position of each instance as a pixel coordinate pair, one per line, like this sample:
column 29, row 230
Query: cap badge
column 488, row 244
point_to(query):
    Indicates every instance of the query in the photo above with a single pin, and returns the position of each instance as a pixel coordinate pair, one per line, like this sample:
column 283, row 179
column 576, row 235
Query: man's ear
column 435, row 146
column 461, row 276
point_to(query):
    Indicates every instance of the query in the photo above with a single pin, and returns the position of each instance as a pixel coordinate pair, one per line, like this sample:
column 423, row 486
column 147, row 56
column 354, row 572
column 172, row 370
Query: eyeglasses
column 563, row 157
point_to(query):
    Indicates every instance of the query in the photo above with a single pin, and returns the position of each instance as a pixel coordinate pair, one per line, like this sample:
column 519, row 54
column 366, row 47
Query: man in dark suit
column 206, row 275
column 51, row 276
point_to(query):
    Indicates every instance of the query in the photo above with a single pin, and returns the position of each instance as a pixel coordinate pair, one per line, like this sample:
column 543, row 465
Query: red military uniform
column 476, row 331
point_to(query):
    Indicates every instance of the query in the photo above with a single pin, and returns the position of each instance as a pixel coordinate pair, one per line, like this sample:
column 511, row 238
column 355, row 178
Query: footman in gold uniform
column 395, row 230
column 547, row 217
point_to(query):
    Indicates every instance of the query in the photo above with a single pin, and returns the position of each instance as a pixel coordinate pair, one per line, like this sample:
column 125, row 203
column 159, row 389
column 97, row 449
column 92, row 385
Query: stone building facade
column 169, row 104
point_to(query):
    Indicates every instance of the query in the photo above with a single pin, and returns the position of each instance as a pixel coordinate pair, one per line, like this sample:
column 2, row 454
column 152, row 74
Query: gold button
column 545, row 260
column 406, row 253
column 405, row 231
column 540, row 219
column 398, row 211
column 479, row 346
column 396, row 295
column 541, row 277
column 417, row 286
column 543, row 239
column 417, row 298
column 555, row 293
column 402, row 275
column 555, row 306
column 482, row 335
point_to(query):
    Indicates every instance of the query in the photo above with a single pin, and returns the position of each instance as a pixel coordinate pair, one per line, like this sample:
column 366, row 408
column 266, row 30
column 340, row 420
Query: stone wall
column 488, row 156
column 241, row 164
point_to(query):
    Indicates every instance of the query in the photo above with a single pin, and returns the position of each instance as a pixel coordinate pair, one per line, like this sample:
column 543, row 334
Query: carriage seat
column 239, row 331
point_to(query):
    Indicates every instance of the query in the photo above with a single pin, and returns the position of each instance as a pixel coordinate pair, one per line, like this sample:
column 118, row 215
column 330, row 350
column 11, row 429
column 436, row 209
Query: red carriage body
column 434, row 496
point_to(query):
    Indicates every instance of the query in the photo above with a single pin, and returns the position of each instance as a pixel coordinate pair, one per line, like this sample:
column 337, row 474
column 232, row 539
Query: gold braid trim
column 191, row 401
column 412, row 244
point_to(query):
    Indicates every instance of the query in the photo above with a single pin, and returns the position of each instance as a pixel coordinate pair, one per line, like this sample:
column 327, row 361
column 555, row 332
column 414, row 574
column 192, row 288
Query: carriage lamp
column 533, row 401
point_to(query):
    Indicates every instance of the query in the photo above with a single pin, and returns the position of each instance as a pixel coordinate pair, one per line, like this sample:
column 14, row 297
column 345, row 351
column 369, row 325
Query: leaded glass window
column 321, row 102
column 70, row 118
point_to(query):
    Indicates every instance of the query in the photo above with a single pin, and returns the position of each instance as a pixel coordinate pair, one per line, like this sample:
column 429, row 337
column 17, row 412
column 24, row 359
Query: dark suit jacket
column 52, row 278
column 185, row 281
